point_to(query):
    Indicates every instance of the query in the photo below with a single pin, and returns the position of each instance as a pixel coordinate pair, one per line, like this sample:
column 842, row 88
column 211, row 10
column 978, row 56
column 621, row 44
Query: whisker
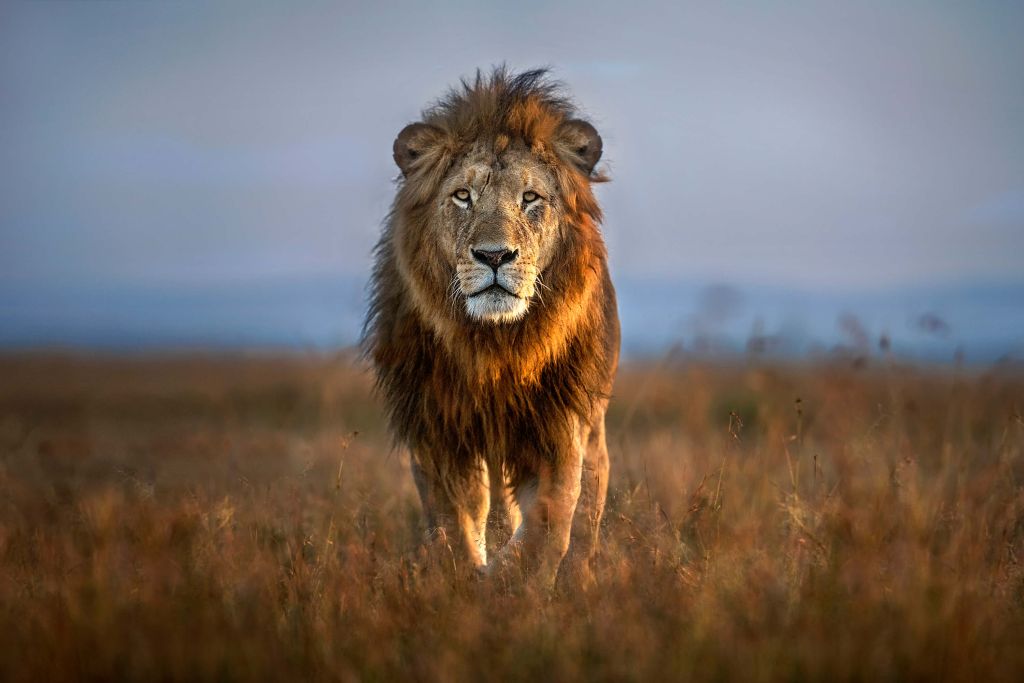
column 539, row 290
column 453, row 293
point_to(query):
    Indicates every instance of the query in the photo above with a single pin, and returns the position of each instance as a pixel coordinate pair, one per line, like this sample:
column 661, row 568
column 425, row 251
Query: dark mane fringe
column 456, row 390
column 486, row 103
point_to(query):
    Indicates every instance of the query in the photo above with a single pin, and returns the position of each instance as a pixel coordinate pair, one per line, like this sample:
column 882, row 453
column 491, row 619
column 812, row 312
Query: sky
column 161, row 147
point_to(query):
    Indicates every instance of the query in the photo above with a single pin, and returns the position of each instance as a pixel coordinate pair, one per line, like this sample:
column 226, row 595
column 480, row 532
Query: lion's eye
column 461, row 195
column 530, row 197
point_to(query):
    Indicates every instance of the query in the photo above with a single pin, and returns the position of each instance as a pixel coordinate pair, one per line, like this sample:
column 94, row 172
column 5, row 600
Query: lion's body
column 525, row 396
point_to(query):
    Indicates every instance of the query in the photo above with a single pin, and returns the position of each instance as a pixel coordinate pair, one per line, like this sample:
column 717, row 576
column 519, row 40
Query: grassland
column 237, row 518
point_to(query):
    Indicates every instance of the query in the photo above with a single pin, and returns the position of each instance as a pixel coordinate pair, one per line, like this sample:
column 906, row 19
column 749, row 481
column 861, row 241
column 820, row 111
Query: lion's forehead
column 511, row 169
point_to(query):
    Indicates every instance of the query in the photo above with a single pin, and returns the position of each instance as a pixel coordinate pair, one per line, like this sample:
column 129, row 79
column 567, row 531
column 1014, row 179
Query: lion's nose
column 495, row 258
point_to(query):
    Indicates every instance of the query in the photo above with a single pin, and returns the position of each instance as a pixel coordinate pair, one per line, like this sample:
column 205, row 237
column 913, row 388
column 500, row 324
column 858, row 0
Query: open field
column 245, row 518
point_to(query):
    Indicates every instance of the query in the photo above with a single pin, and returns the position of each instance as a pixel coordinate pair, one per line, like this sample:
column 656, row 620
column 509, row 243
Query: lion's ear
column 580, row 142
column 415, row 141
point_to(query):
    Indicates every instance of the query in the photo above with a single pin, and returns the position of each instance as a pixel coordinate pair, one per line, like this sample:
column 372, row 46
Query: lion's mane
column 457, row 389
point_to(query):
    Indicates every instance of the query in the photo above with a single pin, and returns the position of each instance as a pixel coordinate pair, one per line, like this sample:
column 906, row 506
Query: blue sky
column 864, row 147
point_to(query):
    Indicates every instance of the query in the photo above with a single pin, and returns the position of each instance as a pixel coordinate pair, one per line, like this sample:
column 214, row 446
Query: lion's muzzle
column 495, row 284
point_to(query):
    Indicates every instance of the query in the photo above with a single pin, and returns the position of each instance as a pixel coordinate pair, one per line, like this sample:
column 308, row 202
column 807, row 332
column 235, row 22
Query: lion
column 493, row 327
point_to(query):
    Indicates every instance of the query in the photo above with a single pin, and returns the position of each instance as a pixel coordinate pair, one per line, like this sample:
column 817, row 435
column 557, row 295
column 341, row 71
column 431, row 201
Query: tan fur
column 523, row 392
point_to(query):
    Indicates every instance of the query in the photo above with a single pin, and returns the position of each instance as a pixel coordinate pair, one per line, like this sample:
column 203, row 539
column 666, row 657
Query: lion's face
column 495, row 211
column 497, row 219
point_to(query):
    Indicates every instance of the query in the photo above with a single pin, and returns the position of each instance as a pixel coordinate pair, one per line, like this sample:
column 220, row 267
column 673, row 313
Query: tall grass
column 245, row 518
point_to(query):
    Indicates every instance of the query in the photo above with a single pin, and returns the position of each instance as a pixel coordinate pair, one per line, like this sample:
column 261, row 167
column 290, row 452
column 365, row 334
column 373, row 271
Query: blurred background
column 791, row 180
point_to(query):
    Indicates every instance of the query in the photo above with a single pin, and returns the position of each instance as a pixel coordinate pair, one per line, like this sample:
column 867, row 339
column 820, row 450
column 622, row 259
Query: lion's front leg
column 455, row 509
column 548, row 502
column 505, row 515
column 590, row 508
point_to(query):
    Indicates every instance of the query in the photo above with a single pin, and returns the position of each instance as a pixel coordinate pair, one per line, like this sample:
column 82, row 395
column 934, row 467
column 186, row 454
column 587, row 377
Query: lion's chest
column 463, row 407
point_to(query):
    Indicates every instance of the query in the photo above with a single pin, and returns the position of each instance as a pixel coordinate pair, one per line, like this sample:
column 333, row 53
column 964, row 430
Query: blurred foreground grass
column 199, row 518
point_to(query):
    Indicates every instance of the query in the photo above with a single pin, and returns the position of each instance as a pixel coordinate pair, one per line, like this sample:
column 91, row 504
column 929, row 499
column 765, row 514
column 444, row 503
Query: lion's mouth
column 493, row 287
column 495, row 303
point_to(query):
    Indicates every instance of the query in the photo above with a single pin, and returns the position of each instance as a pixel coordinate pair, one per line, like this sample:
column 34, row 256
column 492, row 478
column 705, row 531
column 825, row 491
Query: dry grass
column 191, row 518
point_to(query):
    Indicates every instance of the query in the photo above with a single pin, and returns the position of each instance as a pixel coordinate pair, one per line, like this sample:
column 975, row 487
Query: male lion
column 493, row 325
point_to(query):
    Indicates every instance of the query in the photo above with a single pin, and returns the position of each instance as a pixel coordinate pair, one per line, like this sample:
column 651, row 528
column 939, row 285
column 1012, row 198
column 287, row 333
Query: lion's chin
column 496, row 306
